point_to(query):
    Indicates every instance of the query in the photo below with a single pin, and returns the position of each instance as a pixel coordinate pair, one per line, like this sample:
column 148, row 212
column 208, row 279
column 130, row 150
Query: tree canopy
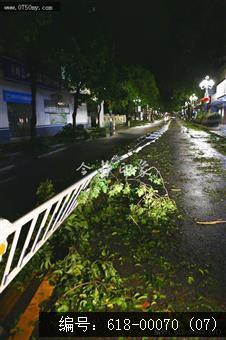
column 81, row 54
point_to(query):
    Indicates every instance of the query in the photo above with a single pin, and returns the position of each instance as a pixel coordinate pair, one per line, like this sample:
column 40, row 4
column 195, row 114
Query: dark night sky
column 180, row 41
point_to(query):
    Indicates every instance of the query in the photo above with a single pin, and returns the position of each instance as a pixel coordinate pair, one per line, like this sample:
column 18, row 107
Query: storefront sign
column 58, row 119
column 55, row 107
column 16, row 97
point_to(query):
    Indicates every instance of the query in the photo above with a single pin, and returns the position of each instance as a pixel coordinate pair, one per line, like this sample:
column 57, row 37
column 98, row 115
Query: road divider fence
column 20, row 240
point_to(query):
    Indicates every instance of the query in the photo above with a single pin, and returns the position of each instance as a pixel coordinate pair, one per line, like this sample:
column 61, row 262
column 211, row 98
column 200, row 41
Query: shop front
column 220, row 107
column 218, row 103
column 19, row 112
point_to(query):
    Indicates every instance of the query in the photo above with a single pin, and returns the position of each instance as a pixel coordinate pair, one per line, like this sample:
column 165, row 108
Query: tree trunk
column 33, row 120
column 152, row 117
column 189, row 112
column 74, row 114
column 98, row 115
column 128, row 119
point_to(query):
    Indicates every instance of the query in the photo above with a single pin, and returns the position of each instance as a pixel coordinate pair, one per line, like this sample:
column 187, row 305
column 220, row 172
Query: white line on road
column 51, row 153
column 7, row 168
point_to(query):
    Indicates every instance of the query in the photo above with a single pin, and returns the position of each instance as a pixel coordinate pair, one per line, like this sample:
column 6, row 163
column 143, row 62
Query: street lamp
column 137, row 102
column 206, row 84
column 193, row 98
column 186, row 107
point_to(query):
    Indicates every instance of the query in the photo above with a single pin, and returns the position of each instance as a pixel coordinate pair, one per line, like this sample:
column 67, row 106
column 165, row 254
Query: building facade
column 53, row 107
column 218, row 99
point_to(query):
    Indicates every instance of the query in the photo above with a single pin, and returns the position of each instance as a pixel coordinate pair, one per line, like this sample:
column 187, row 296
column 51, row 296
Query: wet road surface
column 18, row 186
column 195, row 175
column 196, row 178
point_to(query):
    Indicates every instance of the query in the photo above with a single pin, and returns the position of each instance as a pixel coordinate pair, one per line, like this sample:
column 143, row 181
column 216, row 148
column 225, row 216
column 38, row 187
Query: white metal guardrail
column 20, row 240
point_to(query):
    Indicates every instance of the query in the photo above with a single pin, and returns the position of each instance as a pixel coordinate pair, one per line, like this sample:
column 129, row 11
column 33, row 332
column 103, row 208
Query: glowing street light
column 137, row 102
column 206, row 84
column 193, row 98
column 186, row 108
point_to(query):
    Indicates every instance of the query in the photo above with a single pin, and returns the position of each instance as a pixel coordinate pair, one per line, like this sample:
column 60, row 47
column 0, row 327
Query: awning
column 219, row 101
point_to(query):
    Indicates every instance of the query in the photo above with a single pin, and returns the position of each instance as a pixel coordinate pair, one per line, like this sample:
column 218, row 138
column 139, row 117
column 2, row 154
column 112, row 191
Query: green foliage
column 85, row 285
column 145, row 83
column 139, row 122
column 85, row 65
column 97, row 132
column 181, row 95
column 155, row 179
column 70, row 132
column 45, row 191
column 126, row 207
column 209, row 119
column 201, row 116
column 113, row 252
column 115, row 189
column 129, row 170
column 140, row 83
column 190, row 280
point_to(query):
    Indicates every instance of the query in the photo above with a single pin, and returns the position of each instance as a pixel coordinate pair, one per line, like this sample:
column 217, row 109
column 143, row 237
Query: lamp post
column 206, row 84
column 159, row 111
column 137, row 102
column 193, row 98
column 186, row 106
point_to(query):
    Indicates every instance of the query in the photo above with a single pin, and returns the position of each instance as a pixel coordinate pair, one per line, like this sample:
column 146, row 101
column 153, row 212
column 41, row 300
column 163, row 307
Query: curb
column 217, row 133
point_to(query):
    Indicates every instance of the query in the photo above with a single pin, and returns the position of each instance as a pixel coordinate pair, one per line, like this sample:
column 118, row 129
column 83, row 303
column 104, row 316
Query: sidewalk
column 220, row 130
column 196, row 179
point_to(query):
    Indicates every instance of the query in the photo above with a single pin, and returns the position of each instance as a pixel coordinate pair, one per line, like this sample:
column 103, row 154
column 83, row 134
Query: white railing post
column 5, row 231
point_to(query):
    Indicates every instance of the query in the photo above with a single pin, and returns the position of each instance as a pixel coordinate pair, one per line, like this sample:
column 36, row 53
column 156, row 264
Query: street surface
column 195, row 175
column 18, row 185
column 196, row 179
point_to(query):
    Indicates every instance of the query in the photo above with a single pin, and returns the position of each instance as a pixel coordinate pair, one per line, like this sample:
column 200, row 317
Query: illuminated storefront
column 218, row 101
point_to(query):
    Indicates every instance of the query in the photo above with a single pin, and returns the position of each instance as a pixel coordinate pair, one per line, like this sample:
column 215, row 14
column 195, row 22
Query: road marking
column 51, row 153
column 7, row 168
